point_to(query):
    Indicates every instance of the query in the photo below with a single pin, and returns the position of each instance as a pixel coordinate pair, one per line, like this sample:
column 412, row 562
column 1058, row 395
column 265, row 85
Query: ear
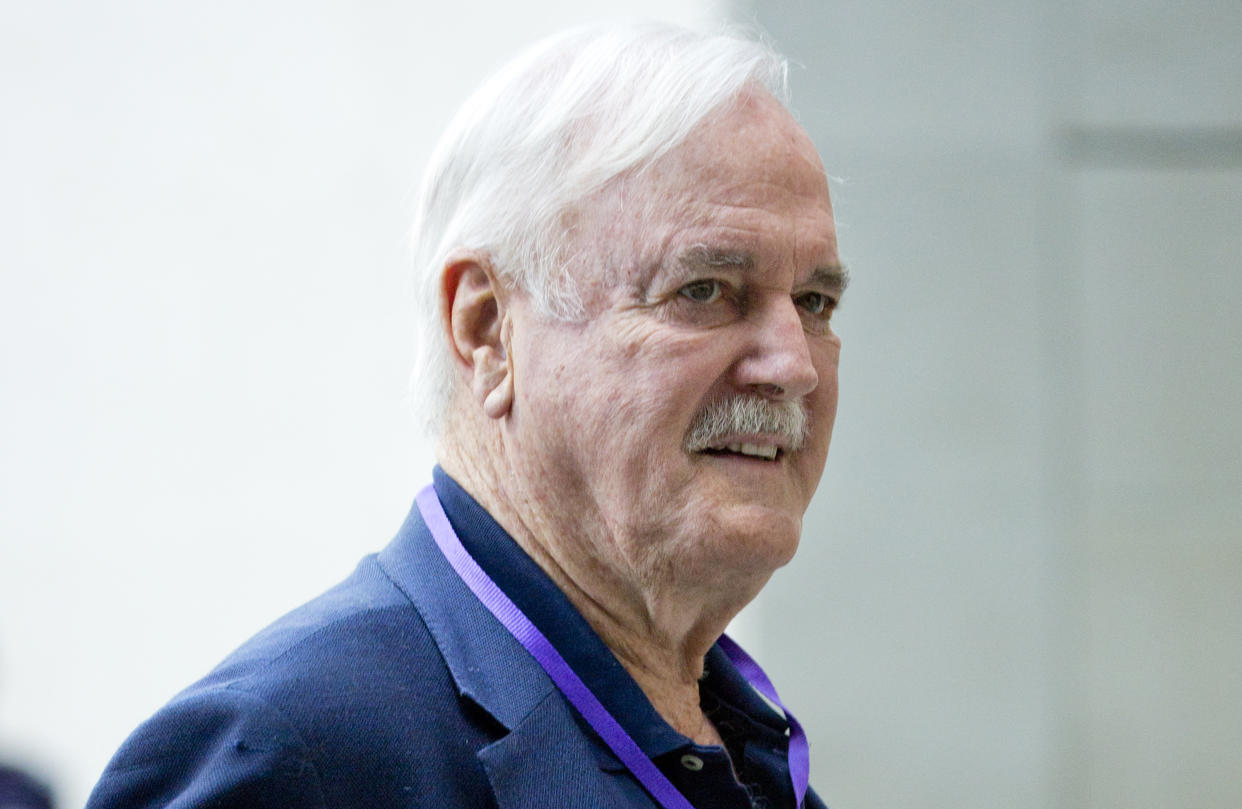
column 472, row 303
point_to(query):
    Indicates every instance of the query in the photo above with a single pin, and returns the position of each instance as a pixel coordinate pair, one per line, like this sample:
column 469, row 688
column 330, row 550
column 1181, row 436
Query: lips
column 761, row 451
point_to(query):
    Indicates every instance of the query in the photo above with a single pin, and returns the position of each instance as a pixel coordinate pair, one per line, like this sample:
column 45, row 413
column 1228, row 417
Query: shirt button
column 692, row 763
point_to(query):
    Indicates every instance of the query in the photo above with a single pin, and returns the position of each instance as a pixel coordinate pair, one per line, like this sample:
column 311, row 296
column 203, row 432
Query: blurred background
column 1019, row 583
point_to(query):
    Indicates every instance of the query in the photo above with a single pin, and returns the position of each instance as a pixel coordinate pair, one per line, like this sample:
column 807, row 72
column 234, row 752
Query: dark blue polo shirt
column 750, row 772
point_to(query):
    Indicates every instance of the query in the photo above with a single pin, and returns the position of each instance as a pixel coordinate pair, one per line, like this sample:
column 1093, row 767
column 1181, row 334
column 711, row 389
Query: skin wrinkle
column 659, row 548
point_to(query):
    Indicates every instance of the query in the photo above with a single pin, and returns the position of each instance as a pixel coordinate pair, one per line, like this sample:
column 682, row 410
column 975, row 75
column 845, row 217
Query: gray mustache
column 747, row 414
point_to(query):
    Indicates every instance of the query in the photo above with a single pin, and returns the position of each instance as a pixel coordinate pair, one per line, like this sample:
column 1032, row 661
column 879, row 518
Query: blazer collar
column 488, row 665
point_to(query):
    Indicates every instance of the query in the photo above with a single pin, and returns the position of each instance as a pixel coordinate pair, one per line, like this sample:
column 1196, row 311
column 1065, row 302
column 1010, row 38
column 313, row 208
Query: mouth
column 760, row 452
column 748, row 428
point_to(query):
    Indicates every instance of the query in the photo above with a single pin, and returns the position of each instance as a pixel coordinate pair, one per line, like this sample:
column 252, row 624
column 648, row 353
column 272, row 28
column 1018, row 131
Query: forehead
column 754, row 138
column 748, row 182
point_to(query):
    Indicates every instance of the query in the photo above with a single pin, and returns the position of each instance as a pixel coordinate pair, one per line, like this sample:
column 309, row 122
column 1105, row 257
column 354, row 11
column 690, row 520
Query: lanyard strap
column 576, row 691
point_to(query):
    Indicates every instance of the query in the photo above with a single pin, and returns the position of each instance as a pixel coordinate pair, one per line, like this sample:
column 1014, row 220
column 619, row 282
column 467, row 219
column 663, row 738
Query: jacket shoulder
column 343, row 702
column 216, row 748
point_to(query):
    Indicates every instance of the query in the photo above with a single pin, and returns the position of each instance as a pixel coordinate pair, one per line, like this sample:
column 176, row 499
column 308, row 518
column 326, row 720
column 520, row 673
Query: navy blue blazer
column 396, row 688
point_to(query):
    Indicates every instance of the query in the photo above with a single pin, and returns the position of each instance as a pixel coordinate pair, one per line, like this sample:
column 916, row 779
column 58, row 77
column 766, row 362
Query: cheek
column 830, row 394
column 663, row 367
column 597, row 397
column 826, row 365
column 824, row 398
column 651, row 400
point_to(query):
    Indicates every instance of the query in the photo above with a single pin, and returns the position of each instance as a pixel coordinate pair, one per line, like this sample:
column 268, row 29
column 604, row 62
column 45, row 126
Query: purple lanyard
column 576, row 691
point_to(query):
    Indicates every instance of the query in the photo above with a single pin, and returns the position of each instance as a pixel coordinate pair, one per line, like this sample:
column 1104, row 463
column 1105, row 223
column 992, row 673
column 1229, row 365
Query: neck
column 659, row 638
column 659, row 628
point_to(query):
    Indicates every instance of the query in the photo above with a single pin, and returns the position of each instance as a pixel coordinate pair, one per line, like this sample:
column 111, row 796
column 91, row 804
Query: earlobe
column 476, row 319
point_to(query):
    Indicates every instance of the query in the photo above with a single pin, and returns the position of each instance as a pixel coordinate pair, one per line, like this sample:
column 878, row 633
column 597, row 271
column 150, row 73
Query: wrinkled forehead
column 753, row 133
column 748, row 172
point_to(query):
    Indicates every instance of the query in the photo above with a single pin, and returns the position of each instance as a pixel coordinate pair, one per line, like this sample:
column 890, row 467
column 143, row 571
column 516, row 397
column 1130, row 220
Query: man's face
column 709, row 277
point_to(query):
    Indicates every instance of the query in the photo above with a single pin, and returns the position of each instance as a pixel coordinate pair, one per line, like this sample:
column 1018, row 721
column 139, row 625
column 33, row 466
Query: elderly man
column 630, row 265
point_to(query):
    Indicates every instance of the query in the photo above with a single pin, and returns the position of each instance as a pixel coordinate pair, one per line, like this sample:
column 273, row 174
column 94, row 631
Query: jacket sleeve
column 218, row 748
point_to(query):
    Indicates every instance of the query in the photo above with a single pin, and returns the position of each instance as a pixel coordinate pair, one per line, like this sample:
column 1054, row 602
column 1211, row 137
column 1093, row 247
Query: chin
column 759, row 537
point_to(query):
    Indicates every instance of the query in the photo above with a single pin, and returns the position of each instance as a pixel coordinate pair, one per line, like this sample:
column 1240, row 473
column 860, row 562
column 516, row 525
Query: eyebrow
column 835, row 277
column 701, row 255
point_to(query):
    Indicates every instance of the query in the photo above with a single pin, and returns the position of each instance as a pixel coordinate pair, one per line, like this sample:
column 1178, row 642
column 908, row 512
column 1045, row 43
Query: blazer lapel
column 546, row 761
column 488, row 664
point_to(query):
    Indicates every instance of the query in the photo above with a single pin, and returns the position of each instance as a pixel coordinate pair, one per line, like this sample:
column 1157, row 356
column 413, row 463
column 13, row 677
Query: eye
column 707, row 290
column 815, row 303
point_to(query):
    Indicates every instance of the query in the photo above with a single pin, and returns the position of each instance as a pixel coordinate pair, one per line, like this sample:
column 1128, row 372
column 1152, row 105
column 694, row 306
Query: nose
column 777, row 363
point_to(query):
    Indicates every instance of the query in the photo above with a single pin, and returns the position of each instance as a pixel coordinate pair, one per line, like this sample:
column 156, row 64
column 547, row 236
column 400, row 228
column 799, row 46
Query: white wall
column 204, row 326
column 1021, row 571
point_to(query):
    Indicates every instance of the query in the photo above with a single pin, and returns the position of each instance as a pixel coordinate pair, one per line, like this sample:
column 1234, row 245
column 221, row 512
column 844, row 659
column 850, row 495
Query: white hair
column 551, row 128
